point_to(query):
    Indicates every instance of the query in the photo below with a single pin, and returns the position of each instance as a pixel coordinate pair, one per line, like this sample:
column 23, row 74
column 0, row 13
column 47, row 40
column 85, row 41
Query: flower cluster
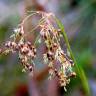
column 27, row 51
column 59, row 63
column 54, row 54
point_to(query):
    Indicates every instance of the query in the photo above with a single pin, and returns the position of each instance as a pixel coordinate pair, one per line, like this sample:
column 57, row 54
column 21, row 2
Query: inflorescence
column 60, row 65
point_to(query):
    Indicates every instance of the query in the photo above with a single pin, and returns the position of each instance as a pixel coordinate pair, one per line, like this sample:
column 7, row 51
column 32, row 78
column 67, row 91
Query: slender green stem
column 80, row 70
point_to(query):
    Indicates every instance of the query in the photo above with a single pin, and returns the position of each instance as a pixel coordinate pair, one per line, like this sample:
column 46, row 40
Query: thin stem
column 26, row 18
column 80, row 71
column 36, row 41
column 33, row 13
column 39, row 23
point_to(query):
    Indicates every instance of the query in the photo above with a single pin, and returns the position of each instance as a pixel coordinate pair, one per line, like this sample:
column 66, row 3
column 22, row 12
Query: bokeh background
column 79, row 19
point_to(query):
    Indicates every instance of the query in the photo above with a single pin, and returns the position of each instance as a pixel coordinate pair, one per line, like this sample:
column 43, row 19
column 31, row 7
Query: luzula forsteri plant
column 53, row 55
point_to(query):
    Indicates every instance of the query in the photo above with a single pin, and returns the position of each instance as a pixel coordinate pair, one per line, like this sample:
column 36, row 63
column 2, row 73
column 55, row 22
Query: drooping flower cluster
column 59, row 63
column 27, row 51
column 54, row 53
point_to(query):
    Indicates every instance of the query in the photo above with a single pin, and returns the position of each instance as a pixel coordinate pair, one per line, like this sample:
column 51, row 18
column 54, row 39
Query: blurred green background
column 79, row 19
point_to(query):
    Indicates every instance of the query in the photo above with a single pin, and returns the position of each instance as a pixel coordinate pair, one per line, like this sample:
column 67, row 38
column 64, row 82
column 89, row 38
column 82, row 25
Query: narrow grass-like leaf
column 84, row 81
column 79, row 70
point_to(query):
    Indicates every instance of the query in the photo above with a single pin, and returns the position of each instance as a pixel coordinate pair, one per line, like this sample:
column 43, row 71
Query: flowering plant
column 59, row 63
